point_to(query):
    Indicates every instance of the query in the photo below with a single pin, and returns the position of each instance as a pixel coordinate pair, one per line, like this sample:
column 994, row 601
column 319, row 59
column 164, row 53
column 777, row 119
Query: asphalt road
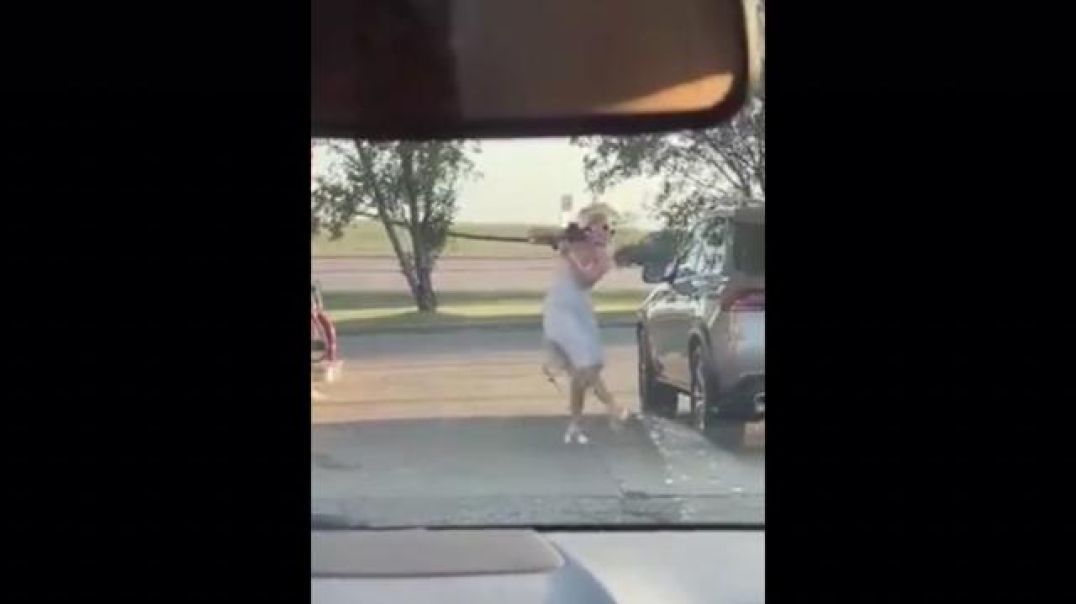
column 456, row 274
column 461, row 428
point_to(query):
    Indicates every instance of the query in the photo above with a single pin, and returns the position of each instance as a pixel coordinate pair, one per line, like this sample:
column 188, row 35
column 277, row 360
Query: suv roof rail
column 744, row 209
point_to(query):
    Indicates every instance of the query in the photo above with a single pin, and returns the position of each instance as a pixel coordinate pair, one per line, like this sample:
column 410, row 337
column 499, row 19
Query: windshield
column 476, row 362
column 451, row 324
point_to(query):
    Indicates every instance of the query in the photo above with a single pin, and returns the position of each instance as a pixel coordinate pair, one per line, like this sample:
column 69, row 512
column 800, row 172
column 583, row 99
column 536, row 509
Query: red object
column 320, row 322
column 330, row 334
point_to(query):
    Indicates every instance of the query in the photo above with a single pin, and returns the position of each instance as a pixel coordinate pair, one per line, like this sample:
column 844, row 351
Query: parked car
column 702, row 330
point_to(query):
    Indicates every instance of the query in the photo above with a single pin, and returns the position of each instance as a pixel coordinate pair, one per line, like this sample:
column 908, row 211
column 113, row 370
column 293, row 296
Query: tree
column 697, row 169
column 410, row 187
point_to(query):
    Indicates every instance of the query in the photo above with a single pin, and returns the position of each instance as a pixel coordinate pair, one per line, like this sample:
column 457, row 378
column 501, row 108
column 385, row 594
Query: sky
column 523, row 180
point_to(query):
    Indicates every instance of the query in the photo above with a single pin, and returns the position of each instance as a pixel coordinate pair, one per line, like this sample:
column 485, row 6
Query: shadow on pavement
column 518, row 470
column 742, row 439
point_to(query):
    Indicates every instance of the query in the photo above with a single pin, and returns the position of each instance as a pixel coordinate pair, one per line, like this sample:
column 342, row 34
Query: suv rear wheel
column 706, row 405
column 701, row 390
column 656, row 398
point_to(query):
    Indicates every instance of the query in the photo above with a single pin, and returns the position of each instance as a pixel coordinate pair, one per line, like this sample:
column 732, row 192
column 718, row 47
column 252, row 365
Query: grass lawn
column 359, row 312
column 367, row 238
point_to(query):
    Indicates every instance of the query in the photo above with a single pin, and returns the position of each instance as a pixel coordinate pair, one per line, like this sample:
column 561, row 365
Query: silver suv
column 702, row 330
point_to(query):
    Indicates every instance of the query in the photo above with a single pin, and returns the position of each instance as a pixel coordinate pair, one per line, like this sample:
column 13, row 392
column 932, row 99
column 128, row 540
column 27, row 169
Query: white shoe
column 575, row 433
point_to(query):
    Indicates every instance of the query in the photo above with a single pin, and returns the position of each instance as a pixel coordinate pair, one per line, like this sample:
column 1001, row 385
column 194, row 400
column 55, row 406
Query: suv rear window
column 749, row 248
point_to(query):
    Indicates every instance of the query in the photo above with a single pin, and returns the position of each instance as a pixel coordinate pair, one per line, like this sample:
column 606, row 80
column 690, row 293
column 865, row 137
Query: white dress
column 569, row 326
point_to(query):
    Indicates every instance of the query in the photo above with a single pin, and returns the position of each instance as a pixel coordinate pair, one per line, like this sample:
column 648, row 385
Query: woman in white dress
column 570, row 328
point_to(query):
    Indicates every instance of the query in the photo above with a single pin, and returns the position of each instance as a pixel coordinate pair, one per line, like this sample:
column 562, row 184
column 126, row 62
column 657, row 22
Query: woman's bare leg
column 606, row 397
column 577, row 390
column 589, row 379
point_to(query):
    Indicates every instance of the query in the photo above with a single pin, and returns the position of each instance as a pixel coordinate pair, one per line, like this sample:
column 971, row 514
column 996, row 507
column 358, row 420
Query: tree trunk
column 407, row 268
column 425, row 299
column 425, row 296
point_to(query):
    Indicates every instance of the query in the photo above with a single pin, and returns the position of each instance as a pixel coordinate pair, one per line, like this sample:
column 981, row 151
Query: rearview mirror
column 470, row 68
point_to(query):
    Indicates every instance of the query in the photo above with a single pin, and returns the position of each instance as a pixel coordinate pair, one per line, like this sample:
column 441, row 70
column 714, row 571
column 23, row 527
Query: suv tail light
column 744, row 299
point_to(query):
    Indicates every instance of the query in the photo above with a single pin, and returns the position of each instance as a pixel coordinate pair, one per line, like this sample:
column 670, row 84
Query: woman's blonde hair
column 596, row 212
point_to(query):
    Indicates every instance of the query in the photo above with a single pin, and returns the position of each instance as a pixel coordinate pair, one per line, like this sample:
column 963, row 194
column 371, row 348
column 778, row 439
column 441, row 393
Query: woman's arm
column 587, row 272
